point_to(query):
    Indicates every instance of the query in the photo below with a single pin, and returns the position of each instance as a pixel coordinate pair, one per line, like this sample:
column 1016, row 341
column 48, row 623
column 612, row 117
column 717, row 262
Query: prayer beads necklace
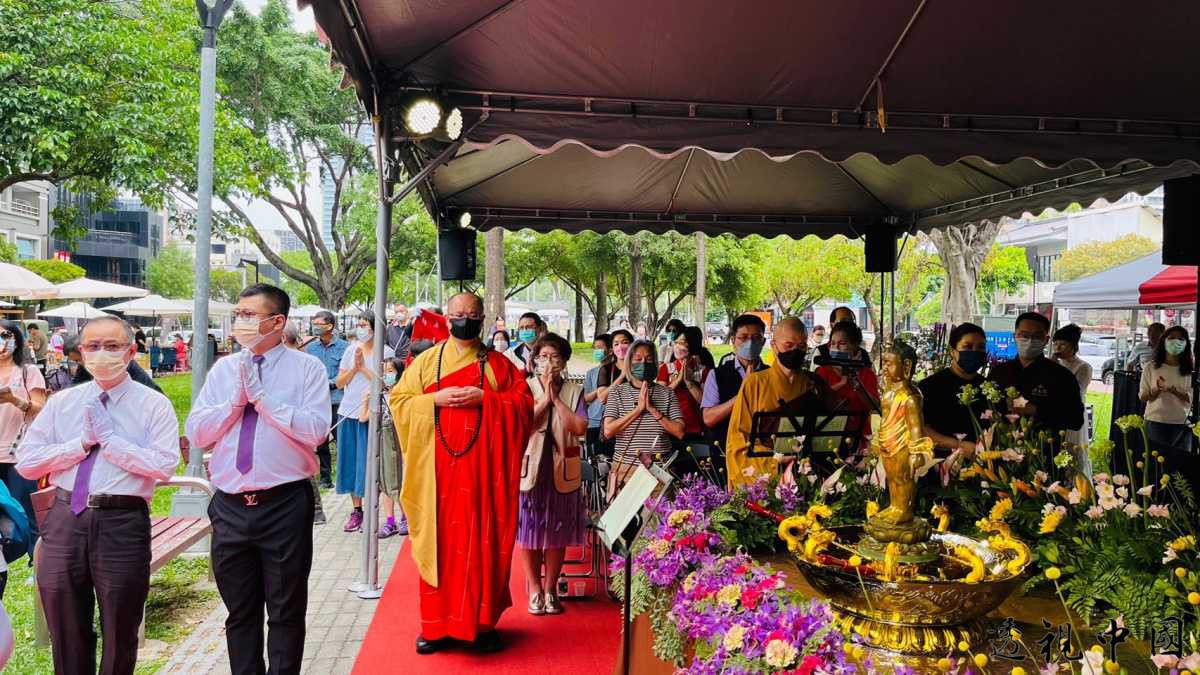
column 437, row 412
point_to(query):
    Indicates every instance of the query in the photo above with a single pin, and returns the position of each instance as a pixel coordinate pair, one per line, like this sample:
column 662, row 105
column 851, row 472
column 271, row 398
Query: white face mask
column 105, row 366
column 363, row 334
column 245, row 331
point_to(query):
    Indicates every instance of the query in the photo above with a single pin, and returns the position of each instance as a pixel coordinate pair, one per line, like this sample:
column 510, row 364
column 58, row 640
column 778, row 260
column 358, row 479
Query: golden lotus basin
column 910, row 616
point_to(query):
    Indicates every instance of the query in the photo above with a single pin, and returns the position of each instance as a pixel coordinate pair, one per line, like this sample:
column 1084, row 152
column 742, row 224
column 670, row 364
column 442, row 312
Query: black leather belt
column 103, row 501
column 260, row 497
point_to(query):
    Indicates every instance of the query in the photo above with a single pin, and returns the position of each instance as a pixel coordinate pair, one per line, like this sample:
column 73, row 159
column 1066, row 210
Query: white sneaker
column 536, row 607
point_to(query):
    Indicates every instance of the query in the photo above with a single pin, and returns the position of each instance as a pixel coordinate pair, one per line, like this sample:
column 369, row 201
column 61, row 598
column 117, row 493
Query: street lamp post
column 242, row 264
column 194, row 502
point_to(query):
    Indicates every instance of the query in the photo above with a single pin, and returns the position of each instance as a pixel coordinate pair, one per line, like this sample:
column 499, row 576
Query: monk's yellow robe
column 461, row 479
column 760, row 392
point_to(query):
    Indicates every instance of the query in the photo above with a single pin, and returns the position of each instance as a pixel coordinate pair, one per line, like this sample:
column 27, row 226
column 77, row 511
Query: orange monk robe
column 462, row 510
column 760, row 392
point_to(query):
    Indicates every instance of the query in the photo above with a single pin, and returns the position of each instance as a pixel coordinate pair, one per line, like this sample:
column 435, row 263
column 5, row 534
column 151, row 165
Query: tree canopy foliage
column 54, row 271
column 1097, row 256
column 171, row 274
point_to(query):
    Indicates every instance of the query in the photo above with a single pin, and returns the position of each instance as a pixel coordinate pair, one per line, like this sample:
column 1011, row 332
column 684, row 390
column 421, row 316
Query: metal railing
column 21, row 208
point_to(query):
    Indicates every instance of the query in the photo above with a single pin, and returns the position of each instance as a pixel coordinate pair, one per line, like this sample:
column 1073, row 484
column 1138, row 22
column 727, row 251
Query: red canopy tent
column 1144, row 283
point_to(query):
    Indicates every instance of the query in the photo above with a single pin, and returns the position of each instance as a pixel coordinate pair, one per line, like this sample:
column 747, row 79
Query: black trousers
column 101, row 554
column 323, row 454
column 262, row 555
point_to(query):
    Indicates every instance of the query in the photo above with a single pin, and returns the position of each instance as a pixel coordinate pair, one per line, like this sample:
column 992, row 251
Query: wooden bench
column 169, row 537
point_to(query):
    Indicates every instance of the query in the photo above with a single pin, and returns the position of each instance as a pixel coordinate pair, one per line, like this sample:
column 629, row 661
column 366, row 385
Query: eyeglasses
column 250, row 315
column 547, row 358
column 89, row 347
column 5, row 335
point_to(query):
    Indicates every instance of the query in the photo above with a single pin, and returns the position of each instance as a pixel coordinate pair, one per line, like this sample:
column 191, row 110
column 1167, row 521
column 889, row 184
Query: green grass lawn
column 1101, row 413
column 175, row 601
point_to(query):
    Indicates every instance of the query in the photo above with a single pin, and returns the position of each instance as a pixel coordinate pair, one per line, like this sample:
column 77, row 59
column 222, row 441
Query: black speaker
column 456, row 253
column 1181, row 217
column 880, row 249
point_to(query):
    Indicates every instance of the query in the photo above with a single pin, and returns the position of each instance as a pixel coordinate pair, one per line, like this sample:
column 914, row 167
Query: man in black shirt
column 947, row 421
column 1049, row 393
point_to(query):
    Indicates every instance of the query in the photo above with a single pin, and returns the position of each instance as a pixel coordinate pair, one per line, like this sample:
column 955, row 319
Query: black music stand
column 806, row 419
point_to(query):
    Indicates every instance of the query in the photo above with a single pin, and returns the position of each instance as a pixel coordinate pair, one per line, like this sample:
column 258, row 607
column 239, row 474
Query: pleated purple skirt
column 547, row 518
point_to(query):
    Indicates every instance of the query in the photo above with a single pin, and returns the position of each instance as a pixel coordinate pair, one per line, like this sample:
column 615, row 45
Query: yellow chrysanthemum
column 1184, row 543
column 729, row 595
column 734, row 637
column 818, row 511
column 1000, row 509
column 679, row 517
column 1050, row 522
column 1053, row 573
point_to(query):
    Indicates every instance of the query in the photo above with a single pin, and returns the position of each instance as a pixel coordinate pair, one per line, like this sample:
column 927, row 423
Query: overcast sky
column 302, row 20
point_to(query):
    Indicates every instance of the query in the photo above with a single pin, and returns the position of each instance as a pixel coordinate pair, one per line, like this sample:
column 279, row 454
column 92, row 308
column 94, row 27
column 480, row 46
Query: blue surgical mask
column 527, row 335
column 643, row 370
column 1175, row 346
column 363, row 334
column 599, row 354
column 972, row 361
column 389, row 379
column 750, row 350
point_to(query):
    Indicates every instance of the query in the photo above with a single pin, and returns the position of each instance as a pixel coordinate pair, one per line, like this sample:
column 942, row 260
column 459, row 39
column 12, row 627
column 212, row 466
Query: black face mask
column 792, row 360
column 465, row 328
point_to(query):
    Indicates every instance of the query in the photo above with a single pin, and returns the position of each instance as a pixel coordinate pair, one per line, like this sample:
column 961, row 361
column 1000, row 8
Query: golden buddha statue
column 901, row 446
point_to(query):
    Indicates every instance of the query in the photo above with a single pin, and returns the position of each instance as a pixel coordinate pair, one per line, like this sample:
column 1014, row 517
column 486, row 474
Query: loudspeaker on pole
column 1181, row 217
column 456, row 252
column 880, row 249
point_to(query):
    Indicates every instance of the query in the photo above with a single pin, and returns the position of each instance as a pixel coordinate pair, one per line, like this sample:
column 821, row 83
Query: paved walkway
column 337, row 619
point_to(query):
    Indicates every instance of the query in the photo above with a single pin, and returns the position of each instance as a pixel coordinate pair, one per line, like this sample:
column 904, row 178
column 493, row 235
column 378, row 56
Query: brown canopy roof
column 763, row 116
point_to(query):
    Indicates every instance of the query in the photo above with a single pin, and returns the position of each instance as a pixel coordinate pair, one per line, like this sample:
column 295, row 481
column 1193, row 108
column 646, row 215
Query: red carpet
column 584, row 639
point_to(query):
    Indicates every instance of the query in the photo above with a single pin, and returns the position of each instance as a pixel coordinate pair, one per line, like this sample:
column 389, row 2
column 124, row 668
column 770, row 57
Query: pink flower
column 986, row 414
column 1145, row 492
column 1165, row 660
column 1190, row 661
column 1169, row 555
column 808, row 665
column 1100, row 478
column 1094, row 512
column 1011, row 455
column 1132, row 510
column 1020, row 401
column 1159, row 511
column 1012, row 419
column 1042, row 476
column 1073, row 497
column 1120, row 479
column 1122, row 492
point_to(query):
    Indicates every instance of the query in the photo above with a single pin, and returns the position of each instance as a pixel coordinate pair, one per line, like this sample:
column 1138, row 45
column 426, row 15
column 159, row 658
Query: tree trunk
column 701, row 314
column 961, row 250
column 493, row 276
column 635, row 282
column 601, row 302
column 578, row 317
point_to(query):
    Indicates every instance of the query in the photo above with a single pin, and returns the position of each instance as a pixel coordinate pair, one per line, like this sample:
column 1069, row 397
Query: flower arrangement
column 736, row 615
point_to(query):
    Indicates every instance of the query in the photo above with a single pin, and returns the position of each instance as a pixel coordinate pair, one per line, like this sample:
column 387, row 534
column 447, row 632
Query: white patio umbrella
column 305, row 311
column 93, row 288
column 16, row 281
column 153, row 306
column 75, row 310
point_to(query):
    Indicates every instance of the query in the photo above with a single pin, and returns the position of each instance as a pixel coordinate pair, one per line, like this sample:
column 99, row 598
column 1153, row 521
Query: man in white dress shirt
column 263, row 412
column 105, row 444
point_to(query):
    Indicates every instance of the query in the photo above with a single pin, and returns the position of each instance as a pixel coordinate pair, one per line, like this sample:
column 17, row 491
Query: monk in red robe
column 463, row 415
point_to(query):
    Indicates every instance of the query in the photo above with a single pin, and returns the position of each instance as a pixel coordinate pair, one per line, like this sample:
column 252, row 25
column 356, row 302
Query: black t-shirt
column 941, row 408
column 1048, row 386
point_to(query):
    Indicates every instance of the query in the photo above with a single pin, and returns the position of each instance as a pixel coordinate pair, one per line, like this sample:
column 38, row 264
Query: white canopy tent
column 153, row 306
column 18, row 282
column 305, row 311
column 75, row 310
column 93, row 288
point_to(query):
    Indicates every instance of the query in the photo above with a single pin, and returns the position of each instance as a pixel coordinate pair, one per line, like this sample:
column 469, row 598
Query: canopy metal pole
column 1196, row 350
column 368, row 587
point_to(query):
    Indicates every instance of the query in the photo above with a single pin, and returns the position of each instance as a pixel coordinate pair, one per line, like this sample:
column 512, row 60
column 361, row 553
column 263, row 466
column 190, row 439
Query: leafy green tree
column 734, row 282
column 54, row 271
column 8, row 251
column 96, row 94
column 225, row 285
column 1097, row 256
column 284, row 93
column 797, row 273
column 172, row 273
column 1004, row 269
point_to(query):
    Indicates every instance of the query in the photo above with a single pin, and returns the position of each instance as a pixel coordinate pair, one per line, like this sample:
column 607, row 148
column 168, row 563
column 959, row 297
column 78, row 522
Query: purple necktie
column 245, row 455
column 83, row 473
